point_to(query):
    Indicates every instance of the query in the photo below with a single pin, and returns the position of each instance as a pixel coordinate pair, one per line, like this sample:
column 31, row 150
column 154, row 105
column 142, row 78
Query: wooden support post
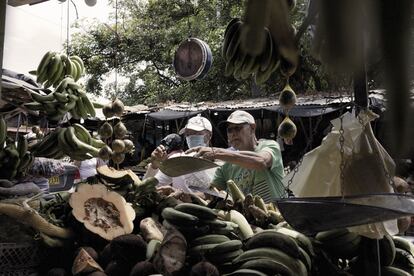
column 3, row 5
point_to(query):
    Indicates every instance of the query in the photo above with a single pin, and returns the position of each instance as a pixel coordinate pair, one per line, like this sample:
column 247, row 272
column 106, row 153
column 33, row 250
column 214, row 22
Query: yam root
column 30, row 217
column 150, row 230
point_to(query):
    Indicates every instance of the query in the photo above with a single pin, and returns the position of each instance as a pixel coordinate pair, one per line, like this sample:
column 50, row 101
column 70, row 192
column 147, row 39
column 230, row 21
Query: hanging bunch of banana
column 255, row 47
column 68, row 96
column 287, row 128
column 55, row 66
column 14, row 160
column 74, row 141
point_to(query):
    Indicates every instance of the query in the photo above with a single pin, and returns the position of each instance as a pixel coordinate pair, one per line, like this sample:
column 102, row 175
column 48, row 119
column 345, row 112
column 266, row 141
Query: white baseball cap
column 240, row 117
column 197, row 123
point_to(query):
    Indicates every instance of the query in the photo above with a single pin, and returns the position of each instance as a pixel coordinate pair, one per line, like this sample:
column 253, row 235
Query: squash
column 114, row 176
column 84, row 263
column 102, row 212
column 287, row 98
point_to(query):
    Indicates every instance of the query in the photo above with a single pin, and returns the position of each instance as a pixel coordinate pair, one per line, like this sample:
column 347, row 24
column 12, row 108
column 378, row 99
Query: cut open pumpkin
column 102, row 212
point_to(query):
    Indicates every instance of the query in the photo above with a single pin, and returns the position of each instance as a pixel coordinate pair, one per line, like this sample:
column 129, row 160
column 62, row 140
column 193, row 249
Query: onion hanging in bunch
column 287, row 130
column 287, row 98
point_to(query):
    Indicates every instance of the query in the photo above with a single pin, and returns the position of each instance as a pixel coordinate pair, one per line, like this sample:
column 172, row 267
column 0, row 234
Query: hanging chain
column 188, row 19
column 342, row 152
column 310, row 141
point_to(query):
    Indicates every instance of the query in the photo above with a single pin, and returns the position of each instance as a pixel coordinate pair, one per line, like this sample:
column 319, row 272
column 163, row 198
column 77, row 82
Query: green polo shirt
column 265, row 183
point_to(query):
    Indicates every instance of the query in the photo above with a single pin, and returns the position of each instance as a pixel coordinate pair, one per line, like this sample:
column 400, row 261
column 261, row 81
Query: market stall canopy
column 16, row 3
column 166, row 115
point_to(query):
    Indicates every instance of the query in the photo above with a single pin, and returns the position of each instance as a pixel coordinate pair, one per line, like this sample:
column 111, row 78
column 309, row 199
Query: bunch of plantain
column 272, row 252
column 54, row 67
column 68, row 96
column 74, row 141
column 242, row 64
column 14, row 160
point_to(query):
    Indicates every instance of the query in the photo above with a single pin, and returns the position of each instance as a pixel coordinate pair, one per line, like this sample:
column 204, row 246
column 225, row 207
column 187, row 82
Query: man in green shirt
column 256, row 166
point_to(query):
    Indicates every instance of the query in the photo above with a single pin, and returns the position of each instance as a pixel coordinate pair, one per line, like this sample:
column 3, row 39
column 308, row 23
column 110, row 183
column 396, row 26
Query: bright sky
column 31, row 31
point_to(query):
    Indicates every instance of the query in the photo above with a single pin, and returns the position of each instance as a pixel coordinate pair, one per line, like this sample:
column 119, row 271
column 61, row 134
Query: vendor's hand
column 166, row 190
column 208, row 153
column 157, row 156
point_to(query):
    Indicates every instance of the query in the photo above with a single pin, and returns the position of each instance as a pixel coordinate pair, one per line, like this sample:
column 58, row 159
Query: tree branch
column 163, row 76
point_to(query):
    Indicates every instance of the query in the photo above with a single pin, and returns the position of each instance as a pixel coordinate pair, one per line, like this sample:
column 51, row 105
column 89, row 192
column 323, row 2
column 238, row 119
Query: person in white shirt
column 197, row 132
column 87, row 168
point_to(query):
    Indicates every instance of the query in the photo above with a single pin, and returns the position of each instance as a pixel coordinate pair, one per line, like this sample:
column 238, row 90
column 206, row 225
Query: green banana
column 209, row 239
column 178, row 218
column 223, row 257
column 80, row 62
column 268, row 266
column 97, row 143
column 201, row 250
column 61, row 97
column 403, row 243
column 246, row 272
column 228, row 34
column 274, row 239
column 300, row 238
column 225, row 247
column 234, row 42
column 74, row 70
column 42, row 67
column 88, row 106
column 82, row 133
column 202, row 212
column 81, row 108
column 42, row 98
column 78, row 144
column 274, row 254
column 78, row 69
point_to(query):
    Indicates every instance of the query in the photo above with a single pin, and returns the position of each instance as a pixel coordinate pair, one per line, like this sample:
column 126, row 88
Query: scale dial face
column 188, row 59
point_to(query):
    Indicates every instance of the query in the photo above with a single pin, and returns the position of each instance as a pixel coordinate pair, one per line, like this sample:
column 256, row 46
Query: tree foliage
column 142, row 46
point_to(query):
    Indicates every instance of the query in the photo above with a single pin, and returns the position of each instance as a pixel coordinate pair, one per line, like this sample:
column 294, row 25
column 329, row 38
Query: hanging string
column 116, row 48
column 67, row 30
column 188, row 19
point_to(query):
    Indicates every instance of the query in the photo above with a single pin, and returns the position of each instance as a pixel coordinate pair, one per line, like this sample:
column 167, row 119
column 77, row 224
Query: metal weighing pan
column 310, row 215
column 182, row 165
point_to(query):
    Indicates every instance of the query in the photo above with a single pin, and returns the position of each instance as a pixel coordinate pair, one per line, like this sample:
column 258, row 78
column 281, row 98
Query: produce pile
column 140, row 229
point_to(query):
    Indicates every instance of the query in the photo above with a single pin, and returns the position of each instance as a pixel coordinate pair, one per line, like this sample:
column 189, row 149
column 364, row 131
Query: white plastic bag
column 366, row 164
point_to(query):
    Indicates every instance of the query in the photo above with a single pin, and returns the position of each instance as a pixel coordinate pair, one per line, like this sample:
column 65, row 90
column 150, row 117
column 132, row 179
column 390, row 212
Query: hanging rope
column 116, row 48
column 67, row 31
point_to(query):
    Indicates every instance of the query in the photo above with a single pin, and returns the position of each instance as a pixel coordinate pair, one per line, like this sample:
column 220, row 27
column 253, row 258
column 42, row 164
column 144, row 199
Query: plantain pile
column 68, row 96
column 14, row 160
column 54, row 67
column 258, row 46
column 74, row 141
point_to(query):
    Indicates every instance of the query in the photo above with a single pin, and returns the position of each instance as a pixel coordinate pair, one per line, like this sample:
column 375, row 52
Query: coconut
column 129, row 248
column 84, row 263
column 120, row 130
column 105, row 153
column 108, row 111
column 142, row 269
column 287, row 98
column 118, row 146
column 129, row 145
column 287, row 129
column 118, row 107
column 105, row 131
column 204, row 268
column 118, row 157
column 92, row 252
